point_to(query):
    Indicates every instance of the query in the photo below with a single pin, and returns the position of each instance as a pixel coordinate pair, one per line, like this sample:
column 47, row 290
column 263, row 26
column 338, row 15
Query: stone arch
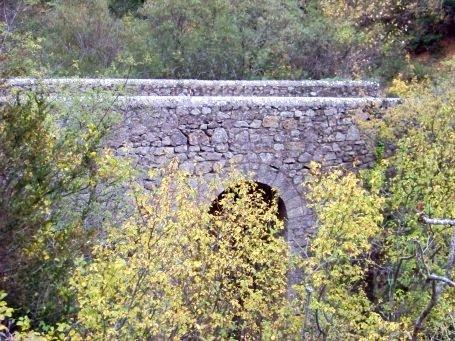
column 299, row 218
column 299, row 221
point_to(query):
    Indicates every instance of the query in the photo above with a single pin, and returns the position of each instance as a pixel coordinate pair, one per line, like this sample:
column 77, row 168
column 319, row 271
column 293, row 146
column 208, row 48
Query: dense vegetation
column 190, row 39
column 378, row 266
column 87, row 253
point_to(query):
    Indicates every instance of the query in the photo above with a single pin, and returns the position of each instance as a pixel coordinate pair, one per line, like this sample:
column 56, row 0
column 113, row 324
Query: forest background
column 220, row 39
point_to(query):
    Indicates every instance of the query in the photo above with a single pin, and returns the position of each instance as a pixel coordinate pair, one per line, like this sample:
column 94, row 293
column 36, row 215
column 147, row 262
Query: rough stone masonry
column 271, row 129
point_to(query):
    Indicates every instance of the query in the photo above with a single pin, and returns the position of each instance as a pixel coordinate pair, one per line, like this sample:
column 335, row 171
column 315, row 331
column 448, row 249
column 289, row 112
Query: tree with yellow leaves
column 382, row 263
column 178, row 269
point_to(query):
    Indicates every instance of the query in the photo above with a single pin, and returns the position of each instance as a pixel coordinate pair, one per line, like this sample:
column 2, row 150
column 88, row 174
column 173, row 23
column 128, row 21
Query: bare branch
column 446, row 280
column 437, row 221
column 418, row 325
column 438, row 282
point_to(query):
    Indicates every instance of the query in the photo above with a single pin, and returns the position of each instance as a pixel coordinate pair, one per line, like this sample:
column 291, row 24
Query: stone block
column 296, row 145
column 211, row 156
column 278, row 146
column 206, row 110
column 219, row 136
column 353, row 134
column 270, row 122
column 181, row 149
column 204, row 167
column 178, row 139
column 166, row 141
column 256, row 124
column 289, row 124
column 241, row 124
column 198, row 138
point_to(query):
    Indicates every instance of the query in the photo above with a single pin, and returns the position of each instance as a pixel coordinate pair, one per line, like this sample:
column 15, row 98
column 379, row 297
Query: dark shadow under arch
column 269, row 235
column 268, row 195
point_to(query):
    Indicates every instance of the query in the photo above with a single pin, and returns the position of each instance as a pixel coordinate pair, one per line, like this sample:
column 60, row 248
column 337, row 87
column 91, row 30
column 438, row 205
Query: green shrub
column 52, row 171
column 80, row 37
column 123, row 7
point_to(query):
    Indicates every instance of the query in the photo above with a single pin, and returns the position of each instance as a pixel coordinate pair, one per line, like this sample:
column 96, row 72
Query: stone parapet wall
column 169, row 87
column 274, row 138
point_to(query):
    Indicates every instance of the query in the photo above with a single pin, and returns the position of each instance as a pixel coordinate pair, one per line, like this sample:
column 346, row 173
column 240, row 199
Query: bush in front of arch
column 176, row 270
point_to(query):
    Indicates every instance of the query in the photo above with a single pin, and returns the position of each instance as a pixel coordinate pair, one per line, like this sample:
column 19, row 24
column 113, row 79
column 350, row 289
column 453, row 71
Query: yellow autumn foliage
column 178, row 269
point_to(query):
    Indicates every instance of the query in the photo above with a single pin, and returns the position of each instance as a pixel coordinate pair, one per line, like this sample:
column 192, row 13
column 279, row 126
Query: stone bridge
column 271, row 129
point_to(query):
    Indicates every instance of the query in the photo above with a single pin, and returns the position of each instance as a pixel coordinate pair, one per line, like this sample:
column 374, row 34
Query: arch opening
column 246, row 241
column 268, row 195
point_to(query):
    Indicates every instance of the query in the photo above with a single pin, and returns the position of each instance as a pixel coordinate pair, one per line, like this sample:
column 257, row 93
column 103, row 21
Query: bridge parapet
column 188, row 87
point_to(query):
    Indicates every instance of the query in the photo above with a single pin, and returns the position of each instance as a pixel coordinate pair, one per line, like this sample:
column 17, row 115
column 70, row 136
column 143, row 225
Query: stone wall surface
column 170, row 87
column 273, row 138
